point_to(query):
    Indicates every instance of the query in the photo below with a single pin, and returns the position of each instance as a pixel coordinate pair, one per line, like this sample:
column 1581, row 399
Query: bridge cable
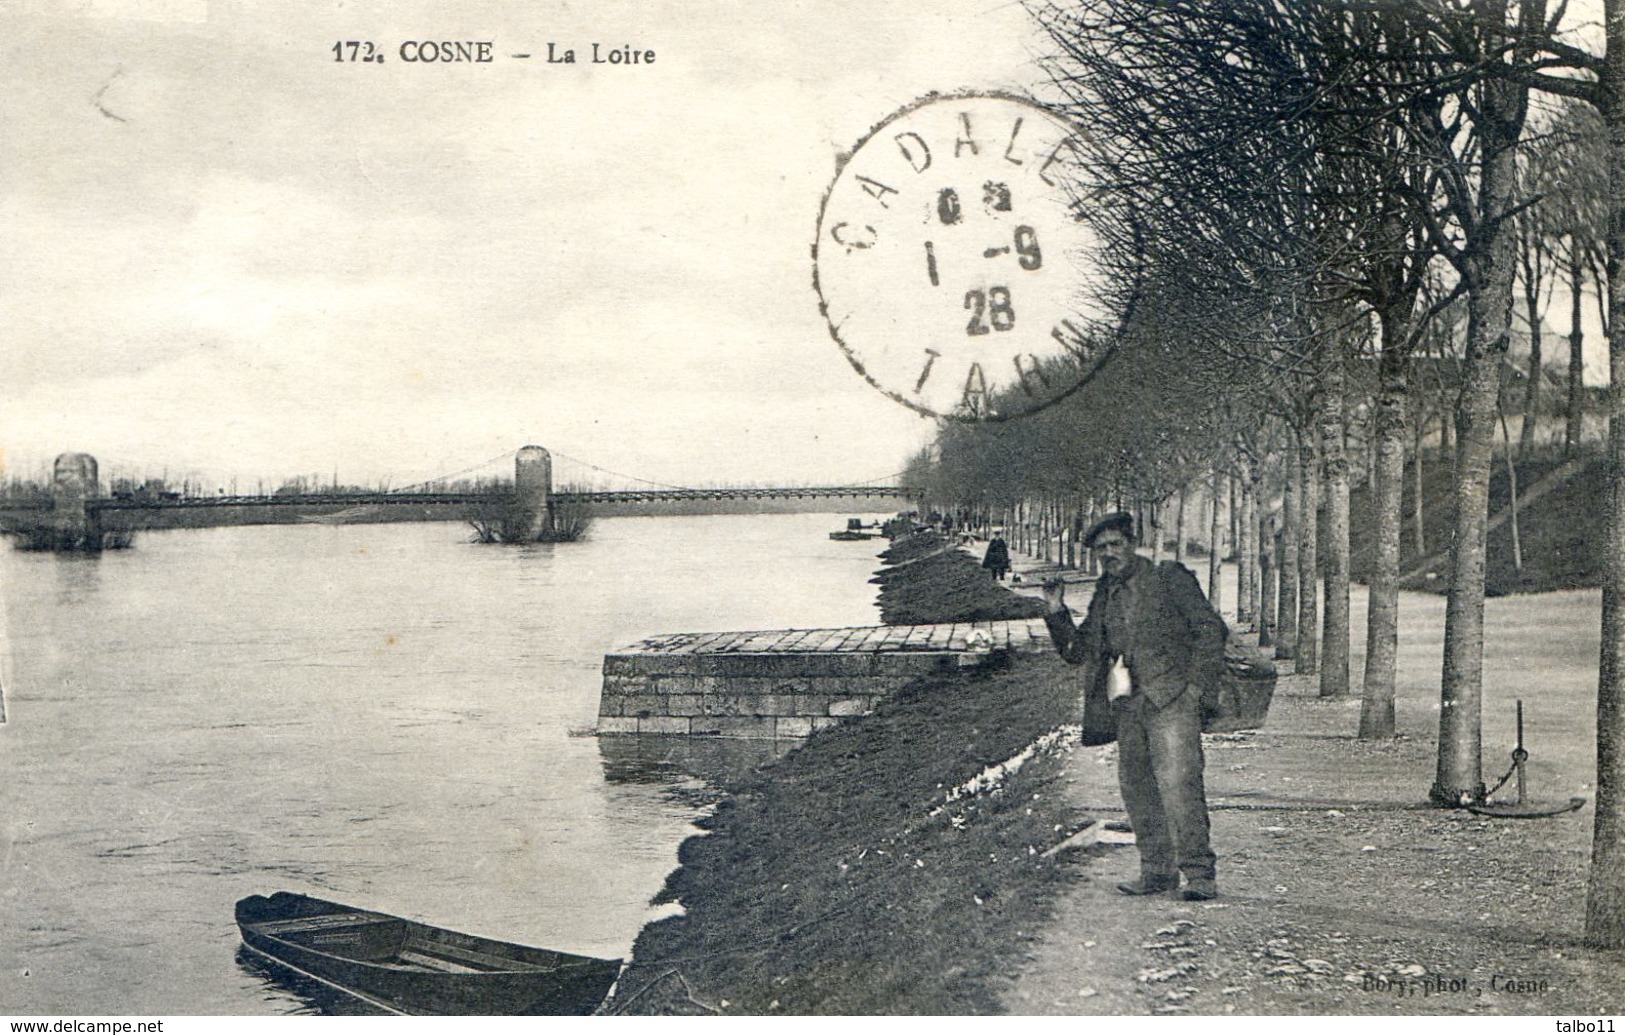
column 456, row 474
column 882, row 479
column 605, row 470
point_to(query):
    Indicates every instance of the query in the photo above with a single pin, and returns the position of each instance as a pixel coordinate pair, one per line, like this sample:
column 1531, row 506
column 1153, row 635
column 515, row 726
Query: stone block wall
column 758, row 696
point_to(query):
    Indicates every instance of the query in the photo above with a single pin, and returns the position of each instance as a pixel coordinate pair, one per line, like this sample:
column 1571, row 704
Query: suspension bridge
column 78, row 509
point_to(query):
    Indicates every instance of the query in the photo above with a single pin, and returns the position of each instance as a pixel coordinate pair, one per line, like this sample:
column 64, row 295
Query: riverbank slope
column 898, row 863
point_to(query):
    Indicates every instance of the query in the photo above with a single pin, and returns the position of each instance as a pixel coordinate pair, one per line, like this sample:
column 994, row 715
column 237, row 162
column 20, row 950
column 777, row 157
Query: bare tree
column 1574, row 215
column 1478, row 181
column 1605, row 898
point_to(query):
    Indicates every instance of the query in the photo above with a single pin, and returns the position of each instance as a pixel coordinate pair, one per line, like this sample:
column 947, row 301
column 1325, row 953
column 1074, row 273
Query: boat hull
column 406, row 967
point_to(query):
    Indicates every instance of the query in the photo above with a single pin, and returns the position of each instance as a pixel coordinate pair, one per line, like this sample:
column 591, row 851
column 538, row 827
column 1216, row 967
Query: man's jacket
column 1174, row 640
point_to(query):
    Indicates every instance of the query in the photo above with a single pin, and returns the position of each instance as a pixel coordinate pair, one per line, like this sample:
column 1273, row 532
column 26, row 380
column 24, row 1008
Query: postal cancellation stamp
column 953, row 258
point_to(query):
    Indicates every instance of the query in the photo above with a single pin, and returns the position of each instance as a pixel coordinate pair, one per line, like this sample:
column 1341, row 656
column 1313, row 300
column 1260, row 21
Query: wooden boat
column 411, row 968
column 855, row 529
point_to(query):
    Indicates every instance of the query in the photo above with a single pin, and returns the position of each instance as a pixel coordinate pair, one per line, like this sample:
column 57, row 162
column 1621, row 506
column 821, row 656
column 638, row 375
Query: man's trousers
column 1159, row 768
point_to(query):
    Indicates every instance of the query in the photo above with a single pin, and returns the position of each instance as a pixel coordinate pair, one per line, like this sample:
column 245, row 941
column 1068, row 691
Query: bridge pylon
column 533, row 490
column 74, row 481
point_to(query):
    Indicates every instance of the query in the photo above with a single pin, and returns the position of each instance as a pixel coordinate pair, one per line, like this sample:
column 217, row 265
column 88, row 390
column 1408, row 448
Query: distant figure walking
column 997, row 558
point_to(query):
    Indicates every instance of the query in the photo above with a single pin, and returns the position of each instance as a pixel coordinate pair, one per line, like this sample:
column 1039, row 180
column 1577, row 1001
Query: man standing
column 1155, row 621
column 997, row 557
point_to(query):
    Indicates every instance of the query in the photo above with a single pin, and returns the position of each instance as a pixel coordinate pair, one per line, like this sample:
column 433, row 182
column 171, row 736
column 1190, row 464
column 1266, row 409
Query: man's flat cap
column 1118, row 521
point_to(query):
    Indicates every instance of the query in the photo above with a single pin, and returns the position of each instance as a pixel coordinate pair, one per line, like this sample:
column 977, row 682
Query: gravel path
column 1341, row 893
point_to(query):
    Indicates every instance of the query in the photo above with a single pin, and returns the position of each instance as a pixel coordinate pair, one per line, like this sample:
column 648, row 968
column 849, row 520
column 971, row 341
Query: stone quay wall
column 757, row 696
column 786, row 682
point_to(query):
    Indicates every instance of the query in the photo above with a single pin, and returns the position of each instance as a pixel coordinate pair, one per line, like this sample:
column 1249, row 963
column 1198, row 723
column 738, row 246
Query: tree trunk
column 1489, row 268
column 1046, row 511
column 1286, row 632
column 1179, row 527
column 1246, row 549
column 1266, row 591
column 1334, row 651
column 1215, row 593
column 1572, row 426
column 1605, row 892
column 1255, row 541
column 1419, row 539
column 1154, row 530
column 1387, row 489
column 1075, row 529
column 1232, row 509
column 1512, row 498
column 1308, row 557
column 1460, row 769
column 1092, row 562
column 1531, row 300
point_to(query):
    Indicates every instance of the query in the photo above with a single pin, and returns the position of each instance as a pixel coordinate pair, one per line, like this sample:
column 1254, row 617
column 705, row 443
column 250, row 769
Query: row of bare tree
column 1306, row 205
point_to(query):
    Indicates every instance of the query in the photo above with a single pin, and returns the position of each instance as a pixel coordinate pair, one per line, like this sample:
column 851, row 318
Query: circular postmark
column 953, row 261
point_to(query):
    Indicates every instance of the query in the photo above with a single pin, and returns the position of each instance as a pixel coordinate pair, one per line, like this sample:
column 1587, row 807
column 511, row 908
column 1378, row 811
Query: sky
column 230, row 255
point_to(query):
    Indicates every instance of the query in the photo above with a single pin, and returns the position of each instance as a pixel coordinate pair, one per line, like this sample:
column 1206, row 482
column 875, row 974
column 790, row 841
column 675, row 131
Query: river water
column 386, row 715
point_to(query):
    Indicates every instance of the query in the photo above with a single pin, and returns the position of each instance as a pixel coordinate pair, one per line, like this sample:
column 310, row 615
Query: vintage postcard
column 447, row 449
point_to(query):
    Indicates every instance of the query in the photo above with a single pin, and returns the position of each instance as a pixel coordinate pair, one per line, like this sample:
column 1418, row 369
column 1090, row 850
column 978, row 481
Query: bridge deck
column 1029, row 634
column 171, row 502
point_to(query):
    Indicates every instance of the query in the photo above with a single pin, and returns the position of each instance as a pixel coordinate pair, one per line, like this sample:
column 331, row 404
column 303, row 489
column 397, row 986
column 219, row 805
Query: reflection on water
column 313, row 996
column 378, row 714
column 682, row 764
column 77, row 577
